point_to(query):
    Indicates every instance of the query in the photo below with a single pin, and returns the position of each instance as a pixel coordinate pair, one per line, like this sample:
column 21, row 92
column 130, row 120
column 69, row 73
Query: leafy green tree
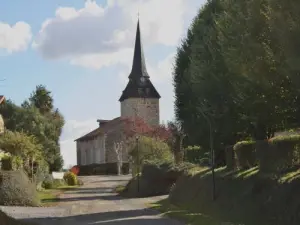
column 46, row 127
column 148, row 149
column 41, row 98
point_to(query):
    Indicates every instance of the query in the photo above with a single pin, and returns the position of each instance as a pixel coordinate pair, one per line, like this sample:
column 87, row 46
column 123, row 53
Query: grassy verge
column 243, row 197
column 119, row 189
column 185, row 214
column 50, row 197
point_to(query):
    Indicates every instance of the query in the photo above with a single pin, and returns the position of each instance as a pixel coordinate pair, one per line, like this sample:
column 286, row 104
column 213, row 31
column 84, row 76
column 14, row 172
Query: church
column 138, row 99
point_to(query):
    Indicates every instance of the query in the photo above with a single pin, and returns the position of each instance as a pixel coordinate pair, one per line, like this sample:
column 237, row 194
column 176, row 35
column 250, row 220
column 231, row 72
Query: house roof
column 139, row 84
column 100, row 130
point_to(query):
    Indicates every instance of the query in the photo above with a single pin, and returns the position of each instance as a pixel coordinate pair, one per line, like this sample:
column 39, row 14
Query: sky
column 82, row 51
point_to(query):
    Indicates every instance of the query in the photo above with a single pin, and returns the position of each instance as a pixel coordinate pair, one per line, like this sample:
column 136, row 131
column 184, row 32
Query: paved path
column 94, row 203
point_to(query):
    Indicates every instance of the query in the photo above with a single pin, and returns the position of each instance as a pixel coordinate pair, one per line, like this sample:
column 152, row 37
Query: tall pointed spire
column 138, row 66
column 139, row 84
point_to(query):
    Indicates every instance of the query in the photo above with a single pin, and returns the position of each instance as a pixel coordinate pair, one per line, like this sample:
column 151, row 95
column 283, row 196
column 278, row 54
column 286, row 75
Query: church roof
column 139, row 84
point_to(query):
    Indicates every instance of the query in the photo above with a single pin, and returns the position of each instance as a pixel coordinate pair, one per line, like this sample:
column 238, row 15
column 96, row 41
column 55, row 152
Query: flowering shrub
column 75, row 170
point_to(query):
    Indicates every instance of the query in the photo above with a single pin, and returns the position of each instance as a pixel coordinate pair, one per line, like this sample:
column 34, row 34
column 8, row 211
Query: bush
column 156, row 179
column 75, row 170
column 10, row 162
column 70, row 178
column 52, row 184
column 194, row 154
column 245, row 154
column 17, row 189
column 149, row 149
column 279, row 153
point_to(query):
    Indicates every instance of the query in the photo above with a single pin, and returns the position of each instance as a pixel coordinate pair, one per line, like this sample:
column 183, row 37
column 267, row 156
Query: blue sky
column 82, row 51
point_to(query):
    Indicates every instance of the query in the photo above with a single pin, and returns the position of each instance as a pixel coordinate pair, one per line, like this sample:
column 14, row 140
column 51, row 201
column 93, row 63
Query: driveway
column 94, row 203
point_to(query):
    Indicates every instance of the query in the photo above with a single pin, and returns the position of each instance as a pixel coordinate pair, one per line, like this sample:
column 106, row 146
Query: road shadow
column 133, row 217
column 112, row 197
column 109, row 181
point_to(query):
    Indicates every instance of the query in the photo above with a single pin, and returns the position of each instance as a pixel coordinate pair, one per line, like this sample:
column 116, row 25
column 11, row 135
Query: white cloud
column 14, row 38
column 96, row 36
column 72, row 130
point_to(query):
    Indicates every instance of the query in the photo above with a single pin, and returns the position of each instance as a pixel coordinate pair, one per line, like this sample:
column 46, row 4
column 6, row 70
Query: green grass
column 245, row 197
column 119, row 189
column 50, row 197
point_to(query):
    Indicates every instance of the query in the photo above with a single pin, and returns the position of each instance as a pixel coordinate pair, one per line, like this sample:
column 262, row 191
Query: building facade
column 138, row 99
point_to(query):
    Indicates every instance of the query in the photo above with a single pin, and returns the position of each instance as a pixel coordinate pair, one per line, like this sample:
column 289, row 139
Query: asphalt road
column 94, row 203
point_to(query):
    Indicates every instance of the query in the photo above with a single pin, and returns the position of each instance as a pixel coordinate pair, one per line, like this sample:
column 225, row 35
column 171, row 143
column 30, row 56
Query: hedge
column 277, row 154
column 195, row 154
column 245, row 154
column 280, row 153
column 102, row 169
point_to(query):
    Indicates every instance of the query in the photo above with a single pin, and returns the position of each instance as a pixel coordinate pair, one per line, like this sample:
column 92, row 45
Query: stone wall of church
column 91, row 151
column 148, row 109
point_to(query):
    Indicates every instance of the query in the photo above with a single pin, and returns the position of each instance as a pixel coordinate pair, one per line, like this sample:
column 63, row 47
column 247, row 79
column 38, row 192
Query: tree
column 176, row 140
column 24, row 146
column 41, row 99
column 46, row 127
column 148, row 149
column 118, row 148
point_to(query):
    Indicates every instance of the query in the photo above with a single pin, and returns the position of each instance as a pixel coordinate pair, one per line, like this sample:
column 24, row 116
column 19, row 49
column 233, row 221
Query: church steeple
column 138, row 66
column 139, row 84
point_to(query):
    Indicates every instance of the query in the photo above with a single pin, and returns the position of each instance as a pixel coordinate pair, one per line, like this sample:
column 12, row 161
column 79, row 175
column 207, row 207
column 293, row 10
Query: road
column 94, row 203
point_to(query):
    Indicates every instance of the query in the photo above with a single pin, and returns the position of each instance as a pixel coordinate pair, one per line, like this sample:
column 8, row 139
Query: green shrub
column 11, row 162
column 149, row 149
column 17, row 189
column 280, row 153
column 70, row 178
column 156, row 179
column 194, row 154
column 52, row 184
column 245, row 154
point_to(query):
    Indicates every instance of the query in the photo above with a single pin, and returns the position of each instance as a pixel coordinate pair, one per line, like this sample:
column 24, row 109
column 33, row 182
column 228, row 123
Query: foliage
column 42, row 123
column 70, row 178
column 245, row 154
column 11, row 163
column 238, row 65
column 52, row 184
column 17, row 189
column 41, row 99
column 156, row 178
column 280, row 153
column 75, row 170
column 148, row 149
column 195, row 154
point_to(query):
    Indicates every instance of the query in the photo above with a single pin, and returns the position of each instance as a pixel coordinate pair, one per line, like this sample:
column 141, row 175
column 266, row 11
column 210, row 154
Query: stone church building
column 138, row 99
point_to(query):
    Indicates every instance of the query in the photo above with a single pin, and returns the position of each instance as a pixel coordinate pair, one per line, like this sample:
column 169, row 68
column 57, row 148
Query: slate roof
column 139, row 84
column 105, row 128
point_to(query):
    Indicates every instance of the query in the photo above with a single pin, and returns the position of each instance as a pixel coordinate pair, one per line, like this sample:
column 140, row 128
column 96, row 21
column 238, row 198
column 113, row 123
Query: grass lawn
column 50, row 197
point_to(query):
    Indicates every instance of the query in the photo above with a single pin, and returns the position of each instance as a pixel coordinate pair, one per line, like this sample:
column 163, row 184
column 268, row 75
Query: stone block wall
column 147, row 109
